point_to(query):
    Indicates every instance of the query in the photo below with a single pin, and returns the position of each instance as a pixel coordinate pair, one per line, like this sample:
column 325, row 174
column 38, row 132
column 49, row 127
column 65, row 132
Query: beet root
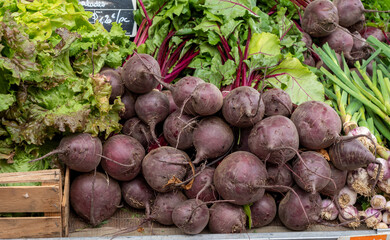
column 80, row 152
column 339, row 177
column 226, row 218
column 152, row 108
column 296, row 216
column 274, row 139
column 124, row 155
column 191, row 216
column 320, row 18
column 350, row 154
column 115, row 80
column 178, row 130
column 279, row 175
column 263, row 211
column 164, row 204
column 140, row 73
column 135, row 128
column 182, row 91
column 312, row 171
column 212, row 138
column 95, row 198
column 317, row 123
column 341, row 41
column 243, row 107
column 128, row 99
column 277, row 102
column 161, row 165
column 172, row 105
column 350, row 11
column 240, row 177
column 138, row 194
column 206, row 99
column 203, row 182
column 375, row 32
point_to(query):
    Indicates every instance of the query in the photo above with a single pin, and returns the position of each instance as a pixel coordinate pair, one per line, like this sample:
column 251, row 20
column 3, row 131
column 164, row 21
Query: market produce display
column 219, row 115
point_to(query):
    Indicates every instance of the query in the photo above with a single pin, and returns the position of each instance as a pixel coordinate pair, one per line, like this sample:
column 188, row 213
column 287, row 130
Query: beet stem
column 145, row 12
column 116, row 162
column 48, row 154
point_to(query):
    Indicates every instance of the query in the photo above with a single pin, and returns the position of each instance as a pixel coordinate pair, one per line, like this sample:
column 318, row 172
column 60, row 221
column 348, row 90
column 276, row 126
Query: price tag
column 109, row 11
column 374, row 237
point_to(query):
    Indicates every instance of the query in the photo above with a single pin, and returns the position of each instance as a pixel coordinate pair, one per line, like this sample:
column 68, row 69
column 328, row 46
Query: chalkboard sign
column 109, row 11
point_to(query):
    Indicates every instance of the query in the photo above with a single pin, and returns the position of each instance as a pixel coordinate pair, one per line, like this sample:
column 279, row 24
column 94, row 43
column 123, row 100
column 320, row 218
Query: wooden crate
column 50, row 199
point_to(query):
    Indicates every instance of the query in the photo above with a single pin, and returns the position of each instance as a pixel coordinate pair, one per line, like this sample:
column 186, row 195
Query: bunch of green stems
column 361, row 99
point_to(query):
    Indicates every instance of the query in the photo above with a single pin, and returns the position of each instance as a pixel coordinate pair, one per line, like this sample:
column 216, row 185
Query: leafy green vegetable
column 298, row 81
column 239, row 43
column 377, row 19
column 50, row 55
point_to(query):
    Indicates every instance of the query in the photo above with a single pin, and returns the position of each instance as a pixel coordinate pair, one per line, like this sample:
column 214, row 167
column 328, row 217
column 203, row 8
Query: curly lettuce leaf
column 21, row 157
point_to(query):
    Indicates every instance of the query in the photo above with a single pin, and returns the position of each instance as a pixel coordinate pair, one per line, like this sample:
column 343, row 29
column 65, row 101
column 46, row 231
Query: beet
column 203, row 182
column 115, row 80
column 361, row 49
column 124, row 155
column 307, row 40
column 243, row 107
column 359, row 25
column 140, row 72
column 263, row 211
column 152, row 108
column 309, row 60
column 206, row 99
column 138, row 194
column 95, row 198
column 164, row 204
column 339, row 177
column 182, row 90
column 320, row 18
column 274, row 139
column 312, row 171
column 179, row 127
column 292, row 213
column 212, row 138
column 191, row 216
column 80, row 152
column 162, row 164
column 317, row 123
column 279, row 175
column 172, row 105
column 277, row 102
column 240, row 177
column 341, row 41
column 375, row 32
column 226, row 218
column 128, row 99
column 135, row 128
column 350, row 154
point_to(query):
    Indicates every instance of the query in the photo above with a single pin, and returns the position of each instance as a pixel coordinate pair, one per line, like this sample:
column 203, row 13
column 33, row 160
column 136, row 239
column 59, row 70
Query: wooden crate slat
column 30, row 199
column 19, row 227
column 34, row 176
column 65, row 204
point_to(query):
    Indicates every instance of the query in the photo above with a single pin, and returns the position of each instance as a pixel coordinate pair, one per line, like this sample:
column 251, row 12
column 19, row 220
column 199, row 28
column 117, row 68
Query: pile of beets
column 192, row 157
column 341, row 24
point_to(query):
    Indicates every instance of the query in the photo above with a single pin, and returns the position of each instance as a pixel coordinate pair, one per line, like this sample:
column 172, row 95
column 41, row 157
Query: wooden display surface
column 128, row 218
column 49, row 201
